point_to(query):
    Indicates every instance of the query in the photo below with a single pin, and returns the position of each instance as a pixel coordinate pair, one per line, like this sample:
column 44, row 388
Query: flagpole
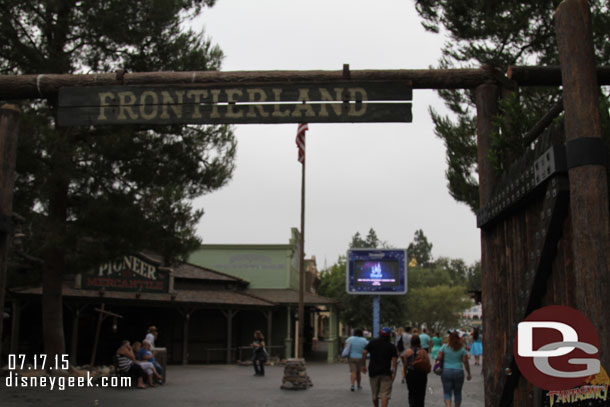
column 302, row 266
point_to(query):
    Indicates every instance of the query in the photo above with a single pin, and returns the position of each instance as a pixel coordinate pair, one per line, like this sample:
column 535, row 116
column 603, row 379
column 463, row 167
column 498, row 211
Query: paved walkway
column 235, row 386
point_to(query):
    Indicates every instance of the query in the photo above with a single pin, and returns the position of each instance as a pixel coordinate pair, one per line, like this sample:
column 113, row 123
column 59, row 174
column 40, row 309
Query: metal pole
column 376, row 311
column 302, row 267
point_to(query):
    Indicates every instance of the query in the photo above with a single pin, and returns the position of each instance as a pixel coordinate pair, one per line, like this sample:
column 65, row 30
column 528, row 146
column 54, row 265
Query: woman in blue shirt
column 454, row 356
column 357, row 344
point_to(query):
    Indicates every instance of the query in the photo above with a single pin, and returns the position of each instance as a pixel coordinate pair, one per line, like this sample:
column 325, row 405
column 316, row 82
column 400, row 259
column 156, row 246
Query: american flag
column 301, row 141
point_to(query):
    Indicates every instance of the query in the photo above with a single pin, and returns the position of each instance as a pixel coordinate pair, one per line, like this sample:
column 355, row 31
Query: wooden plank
column 236, row 93
column 236, row 113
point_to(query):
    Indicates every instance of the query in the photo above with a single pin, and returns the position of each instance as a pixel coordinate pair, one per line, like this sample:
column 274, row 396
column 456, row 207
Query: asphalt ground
column 235, row 386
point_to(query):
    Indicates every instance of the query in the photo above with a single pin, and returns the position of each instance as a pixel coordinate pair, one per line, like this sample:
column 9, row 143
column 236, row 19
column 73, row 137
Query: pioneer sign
column 128, row 273
column 287, row 103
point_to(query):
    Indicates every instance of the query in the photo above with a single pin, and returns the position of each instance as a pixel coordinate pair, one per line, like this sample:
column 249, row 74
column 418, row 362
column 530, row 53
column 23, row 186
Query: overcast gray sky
column 390, row 177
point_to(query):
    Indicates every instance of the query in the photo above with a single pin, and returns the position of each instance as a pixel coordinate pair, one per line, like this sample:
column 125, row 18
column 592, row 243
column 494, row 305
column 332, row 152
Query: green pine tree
column 88, row 194
column 420, row 249
column 498, row 33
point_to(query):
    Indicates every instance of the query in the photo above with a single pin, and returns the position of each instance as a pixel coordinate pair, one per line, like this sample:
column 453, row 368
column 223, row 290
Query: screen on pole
column 376, row 271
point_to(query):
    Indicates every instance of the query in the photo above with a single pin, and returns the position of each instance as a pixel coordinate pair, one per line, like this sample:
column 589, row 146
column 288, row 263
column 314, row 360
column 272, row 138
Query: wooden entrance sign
column 332, row 102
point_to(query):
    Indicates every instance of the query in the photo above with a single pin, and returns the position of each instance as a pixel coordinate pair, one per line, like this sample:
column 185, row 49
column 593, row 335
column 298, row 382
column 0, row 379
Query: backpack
column 400, row 345
column 421, row 361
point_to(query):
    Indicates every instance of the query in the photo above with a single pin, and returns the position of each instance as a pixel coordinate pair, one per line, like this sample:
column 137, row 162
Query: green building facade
column 272, row 271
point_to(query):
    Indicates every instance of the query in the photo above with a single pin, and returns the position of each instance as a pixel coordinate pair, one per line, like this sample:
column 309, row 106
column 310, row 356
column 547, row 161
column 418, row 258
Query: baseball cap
column 386, row 331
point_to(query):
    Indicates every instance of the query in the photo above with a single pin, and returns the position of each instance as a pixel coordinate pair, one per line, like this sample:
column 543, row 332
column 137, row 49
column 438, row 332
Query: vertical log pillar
column 487, row 108
column 9, row 128
column 588, row 179
column 15, row 326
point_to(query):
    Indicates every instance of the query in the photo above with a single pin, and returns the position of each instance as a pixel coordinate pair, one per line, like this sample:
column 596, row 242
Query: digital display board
column 376, row 271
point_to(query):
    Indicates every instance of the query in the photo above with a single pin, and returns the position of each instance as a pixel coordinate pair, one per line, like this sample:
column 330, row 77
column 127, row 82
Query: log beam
column 548, row 75
column 13, row 87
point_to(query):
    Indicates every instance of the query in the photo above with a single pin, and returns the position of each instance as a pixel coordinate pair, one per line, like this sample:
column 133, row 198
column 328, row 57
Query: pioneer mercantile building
column 206, row 309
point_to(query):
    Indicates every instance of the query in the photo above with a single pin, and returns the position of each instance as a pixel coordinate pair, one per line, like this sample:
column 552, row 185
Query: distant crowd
column 417, row 354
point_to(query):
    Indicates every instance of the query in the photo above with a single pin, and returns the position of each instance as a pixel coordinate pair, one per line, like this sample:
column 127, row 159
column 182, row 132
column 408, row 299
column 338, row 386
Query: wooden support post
column 97, row 335
column 288, row 338
column 9, row 128
column 487, row 108
column 588, row 181
column 333, row 334
column 15, row 326
column 268, row 337
column 185, row 338
column 229, row 314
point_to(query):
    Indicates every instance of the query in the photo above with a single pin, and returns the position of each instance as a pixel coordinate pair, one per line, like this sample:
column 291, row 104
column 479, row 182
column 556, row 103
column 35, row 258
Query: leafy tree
column 474, row 277
column 370, row 242
column 497, row 33
column 437, row 307
column 427, row 277
column 456, row 269
column 421, row 249
column 89, row 194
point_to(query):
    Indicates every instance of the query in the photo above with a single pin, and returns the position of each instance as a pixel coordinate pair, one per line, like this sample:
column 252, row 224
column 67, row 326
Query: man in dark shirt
column 382, row 367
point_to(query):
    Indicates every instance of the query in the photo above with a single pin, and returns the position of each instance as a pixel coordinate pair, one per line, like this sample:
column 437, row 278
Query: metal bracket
column 550, row 162
column 586, row 151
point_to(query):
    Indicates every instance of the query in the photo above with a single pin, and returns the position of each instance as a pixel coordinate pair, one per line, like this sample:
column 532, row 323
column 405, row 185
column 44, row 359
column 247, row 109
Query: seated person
column 137, row 350
column 148, row 367
column 146, row 354
column 126, row 364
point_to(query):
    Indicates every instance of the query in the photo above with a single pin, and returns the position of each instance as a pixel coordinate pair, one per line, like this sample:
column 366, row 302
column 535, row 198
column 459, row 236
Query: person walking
column 437, row 343
column 476, row 346
column 259, row 354
column 455, row 361
column 406, row 337
column 400, row 346
column 382, row 366
column 357, row 344
column 416, row 379
column 424, row 338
